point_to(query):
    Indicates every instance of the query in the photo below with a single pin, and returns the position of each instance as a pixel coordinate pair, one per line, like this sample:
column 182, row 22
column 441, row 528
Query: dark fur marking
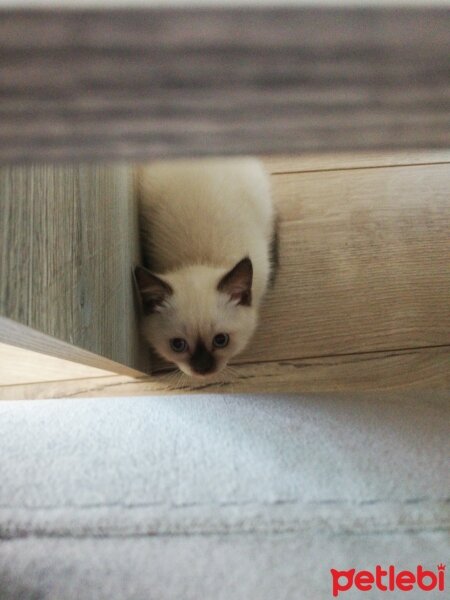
column 238, row 282
column 202, row 361
column 274, row 254
column 153, row 290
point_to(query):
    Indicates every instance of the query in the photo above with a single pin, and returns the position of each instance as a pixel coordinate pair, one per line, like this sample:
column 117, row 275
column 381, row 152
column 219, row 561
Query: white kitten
column 207, row 229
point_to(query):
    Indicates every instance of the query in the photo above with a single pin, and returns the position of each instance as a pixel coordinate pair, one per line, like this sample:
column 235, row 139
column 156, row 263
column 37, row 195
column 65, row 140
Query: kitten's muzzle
column 202, row 361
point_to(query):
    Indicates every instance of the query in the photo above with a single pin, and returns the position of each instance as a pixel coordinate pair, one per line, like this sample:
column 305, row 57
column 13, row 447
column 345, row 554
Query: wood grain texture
column 149, row 83
column 16, row 335
column 378, row 371
column 277, row 165
column 363, row 285
column 67, row 248
column 364, row 263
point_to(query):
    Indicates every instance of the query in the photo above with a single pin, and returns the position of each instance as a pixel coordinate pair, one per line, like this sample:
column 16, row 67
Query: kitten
column 207, row 229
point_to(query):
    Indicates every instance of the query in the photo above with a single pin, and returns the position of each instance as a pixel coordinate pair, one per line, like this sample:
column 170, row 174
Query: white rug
column 219, row 497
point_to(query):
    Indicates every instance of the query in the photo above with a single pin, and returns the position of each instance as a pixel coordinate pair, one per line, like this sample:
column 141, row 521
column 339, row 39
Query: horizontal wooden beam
column 42, row 346
column 136, row 84
column 402, row 370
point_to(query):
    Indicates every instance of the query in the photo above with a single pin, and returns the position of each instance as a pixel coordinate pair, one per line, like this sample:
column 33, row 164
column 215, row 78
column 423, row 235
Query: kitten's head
column 198, row 317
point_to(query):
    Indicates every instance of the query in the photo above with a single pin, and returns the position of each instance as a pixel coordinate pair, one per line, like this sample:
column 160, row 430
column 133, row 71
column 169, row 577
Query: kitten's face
column 199, row 317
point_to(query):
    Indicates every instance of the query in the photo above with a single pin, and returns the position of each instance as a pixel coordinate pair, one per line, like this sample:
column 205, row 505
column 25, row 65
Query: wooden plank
column 136, row 83
column 67, row 248
column 364, row 264
column 277, row 165
column 16, row 242
column 20, row 336
column 378, row 371
column 21, row 366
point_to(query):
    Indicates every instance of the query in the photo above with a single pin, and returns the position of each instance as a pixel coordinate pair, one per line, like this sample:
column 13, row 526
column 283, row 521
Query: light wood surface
column 376, row 371
column 68, row 245
column 364, row 263
column 25, row 366
column 137, row 84
column 15, row 336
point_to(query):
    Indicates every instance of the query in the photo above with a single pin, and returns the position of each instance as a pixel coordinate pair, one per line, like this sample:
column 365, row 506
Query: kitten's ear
column 153, row 290
column 238, row 282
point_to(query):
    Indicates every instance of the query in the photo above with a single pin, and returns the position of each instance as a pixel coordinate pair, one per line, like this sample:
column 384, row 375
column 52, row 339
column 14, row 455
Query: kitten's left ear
column 153, row 290
column 238, row 283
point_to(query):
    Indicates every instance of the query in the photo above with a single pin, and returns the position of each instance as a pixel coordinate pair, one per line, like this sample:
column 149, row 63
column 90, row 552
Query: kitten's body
column 198, row 220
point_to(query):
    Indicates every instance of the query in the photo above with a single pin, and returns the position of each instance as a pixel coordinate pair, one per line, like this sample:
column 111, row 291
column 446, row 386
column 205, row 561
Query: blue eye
column 178, row 344
column 221, row 340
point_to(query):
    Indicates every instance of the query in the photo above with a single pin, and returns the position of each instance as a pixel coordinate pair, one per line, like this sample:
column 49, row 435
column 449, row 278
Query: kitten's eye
column 221, row 340
column 178, row 344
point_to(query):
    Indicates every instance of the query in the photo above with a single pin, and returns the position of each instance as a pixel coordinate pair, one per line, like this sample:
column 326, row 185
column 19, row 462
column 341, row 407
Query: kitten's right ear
column 153, row 290
column 238, row 282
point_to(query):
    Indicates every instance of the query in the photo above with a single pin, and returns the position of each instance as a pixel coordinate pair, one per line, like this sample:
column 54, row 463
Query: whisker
column 179, row 379
column 233, row 371
column 185, row 381
column 172, row 379
column 169, row 379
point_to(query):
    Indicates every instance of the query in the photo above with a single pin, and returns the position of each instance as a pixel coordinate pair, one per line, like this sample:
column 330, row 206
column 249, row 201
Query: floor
column 361, row 299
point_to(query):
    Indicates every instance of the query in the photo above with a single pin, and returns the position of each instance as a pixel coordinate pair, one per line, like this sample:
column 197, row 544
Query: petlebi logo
column 388, row 580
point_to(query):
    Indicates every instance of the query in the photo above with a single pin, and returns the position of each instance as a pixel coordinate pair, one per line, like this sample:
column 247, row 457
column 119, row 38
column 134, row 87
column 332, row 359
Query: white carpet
column 211, row 497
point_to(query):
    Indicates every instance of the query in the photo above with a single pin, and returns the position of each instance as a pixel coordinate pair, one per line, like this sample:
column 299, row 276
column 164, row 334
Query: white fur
column 199, row 218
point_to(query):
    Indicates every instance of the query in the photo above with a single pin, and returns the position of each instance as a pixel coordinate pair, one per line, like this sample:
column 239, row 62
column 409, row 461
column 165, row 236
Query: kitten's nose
column 202, row 361
column 204, row 370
